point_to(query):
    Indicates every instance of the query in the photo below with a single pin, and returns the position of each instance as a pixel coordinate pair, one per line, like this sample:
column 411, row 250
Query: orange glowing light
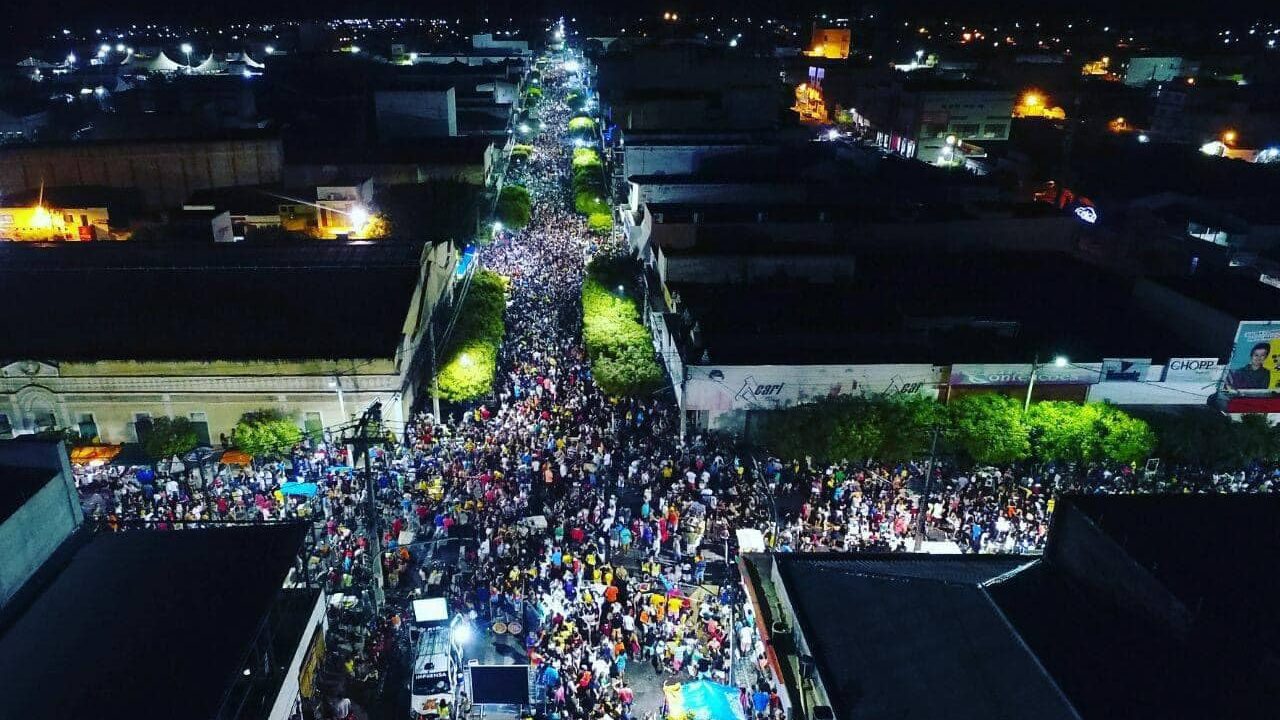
column 1229, row 137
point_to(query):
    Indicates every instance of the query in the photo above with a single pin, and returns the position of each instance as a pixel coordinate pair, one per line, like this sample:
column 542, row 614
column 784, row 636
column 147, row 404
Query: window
column 68, row 218
column 996, row 130
column 313, row 424
column 44, row 420
column 200, row 423
column 87, row 426
column 965, row 130
column 6, row 427
column 141, row 425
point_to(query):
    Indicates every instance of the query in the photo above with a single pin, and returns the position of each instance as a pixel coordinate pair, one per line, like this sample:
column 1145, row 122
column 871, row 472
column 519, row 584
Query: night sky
column 47, row 15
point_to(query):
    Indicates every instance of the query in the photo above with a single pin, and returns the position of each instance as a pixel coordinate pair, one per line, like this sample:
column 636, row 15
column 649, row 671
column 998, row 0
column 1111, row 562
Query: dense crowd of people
column 586, row 514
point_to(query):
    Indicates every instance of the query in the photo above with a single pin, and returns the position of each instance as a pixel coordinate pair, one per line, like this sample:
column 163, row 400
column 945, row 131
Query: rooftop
column 979, row 307
column 1115, row 620
column 18, row 484
column 206, row 301
column 146, row 624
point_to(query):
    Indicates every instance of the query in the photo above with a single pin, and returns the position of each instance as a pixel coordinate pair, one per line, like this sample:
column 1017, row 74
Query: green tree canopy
column 470, row 358
column 618, row 344
column 600, row 223
column 266, row 433
column 988, row 428
column 514, row 206
column 169, row 437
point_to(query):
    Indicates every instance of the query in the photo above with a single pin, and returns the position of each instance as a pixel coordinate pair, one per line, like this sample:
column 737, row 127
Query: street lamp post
column 1059, row 361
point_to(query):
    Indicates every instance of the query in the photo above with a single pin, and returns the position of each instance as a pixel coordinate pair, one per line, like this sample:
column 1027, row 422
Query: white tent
column 162, row 64
column 248, row 60
column 210, row 66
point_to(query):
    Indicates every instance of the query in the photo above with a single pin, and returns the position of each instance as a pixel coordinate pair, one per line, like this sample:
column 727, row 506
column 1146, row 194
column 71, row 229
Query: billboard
column 1254, row 367
column 1125, row 369
column 1205, row 371
column 722, row 388
column 997, row 374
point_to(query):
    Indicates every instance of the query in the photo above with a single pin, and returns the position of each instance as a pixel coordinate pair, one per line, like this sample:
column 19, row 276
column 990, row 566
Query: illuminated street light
column 270, row 49
column 358, row 216
column 1229, row 137
column 461, row 633
column 186, row 49
column 119, row 47
column 71, row 58
column 1060, row 361
column 524, row 128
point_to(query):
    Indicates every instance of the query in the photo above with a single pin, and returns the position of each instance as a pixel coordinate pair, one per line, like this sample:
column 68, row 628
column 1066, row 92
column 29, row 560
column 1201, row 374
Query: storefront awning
column 94, row 454
column 236, row 457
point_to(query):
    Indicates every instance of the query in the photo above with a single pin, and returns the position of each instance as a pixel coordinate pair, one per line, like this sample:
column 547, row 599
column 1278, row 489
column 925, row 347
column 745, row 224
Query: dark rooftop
column 146, row 624
column 462, row 150
column 1239, row 294
column 944, row 308
column 916, row 628
column 1142, row 606
column 206, row 301
column 18, row 484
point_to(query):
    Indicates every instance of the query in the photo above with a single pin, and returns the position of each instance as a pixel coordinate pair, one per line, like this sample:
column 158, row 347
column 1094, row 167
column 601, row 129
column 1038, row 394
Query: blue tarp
column 705, row 700
column 298, row 488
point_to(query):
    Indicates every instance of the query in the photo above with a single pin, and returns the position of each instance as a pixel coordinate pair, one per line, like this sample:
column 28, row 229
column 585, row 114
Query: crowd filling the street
column 608, row 539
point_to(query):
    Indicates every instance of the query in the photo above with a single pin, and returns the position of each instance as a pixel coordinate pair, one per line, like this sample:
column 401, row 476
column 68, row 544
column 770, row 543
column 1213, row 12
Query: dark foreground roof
column 902, row 637
column 18, row 484
column 1142, row 606
column 145, row 624
column 205, row 301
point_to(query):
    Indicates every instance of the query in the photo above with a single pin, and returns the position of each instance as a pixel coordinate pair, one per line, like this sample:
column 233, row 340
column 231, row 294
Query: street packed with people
column 586, row 520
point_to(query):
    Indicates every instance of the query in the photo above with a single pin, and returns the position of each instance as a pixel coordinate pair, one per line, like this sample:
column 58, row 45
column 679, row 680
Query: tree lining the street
column 987, row 429
column 588, row 186
column 169, row 437
column 266, row 433
column 617, row 342
column 514, row 207
column 470, row 358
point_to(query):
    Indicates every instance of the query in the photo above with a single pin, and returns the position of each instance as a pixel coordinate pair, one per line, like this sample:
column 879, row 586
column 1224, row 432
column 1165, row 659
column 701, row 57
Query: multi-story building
column 118, row 334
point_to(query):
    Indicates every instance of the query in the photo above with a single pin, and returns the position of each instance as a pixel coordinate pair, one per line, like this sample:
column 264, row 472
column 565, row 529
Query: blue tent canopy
column 298, row 488
column 703, row 700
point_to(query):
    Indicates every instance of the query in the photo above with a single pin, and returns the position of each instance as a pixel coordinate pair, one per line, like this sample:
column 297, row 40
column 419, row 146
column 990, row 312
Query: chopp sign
column 1202, row 370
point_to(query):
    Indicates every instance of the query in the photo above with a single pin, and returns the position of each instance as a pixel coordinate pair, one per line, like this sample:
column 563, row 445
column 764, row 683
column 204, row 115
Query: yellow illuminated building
column 1099, row 68
column 40, row 221
column 1034, row 104
column 810, row 104
column 830, row 43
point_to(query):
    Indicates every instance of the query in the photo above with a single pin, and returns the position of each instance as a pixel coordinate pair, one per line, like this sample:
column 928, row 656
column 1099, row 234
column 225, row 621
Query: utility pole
column 435, row 371
column 371, row 418
column 1031, row 383
column 923, row 513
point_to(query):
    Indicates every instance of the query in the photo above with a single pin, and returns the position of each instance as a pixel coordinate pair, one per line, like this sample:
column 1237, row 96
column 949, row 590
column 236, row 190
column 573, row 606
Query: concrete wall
column 416, row 113
column 1046, row 234
column 743, row 269
column 287, row 698
column 164, row 173
column 30, row 535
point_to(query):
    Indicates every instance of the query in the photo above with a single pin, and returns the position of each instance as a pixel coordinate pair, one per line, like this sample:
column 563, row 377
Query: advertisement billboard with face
column 1254, row 368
